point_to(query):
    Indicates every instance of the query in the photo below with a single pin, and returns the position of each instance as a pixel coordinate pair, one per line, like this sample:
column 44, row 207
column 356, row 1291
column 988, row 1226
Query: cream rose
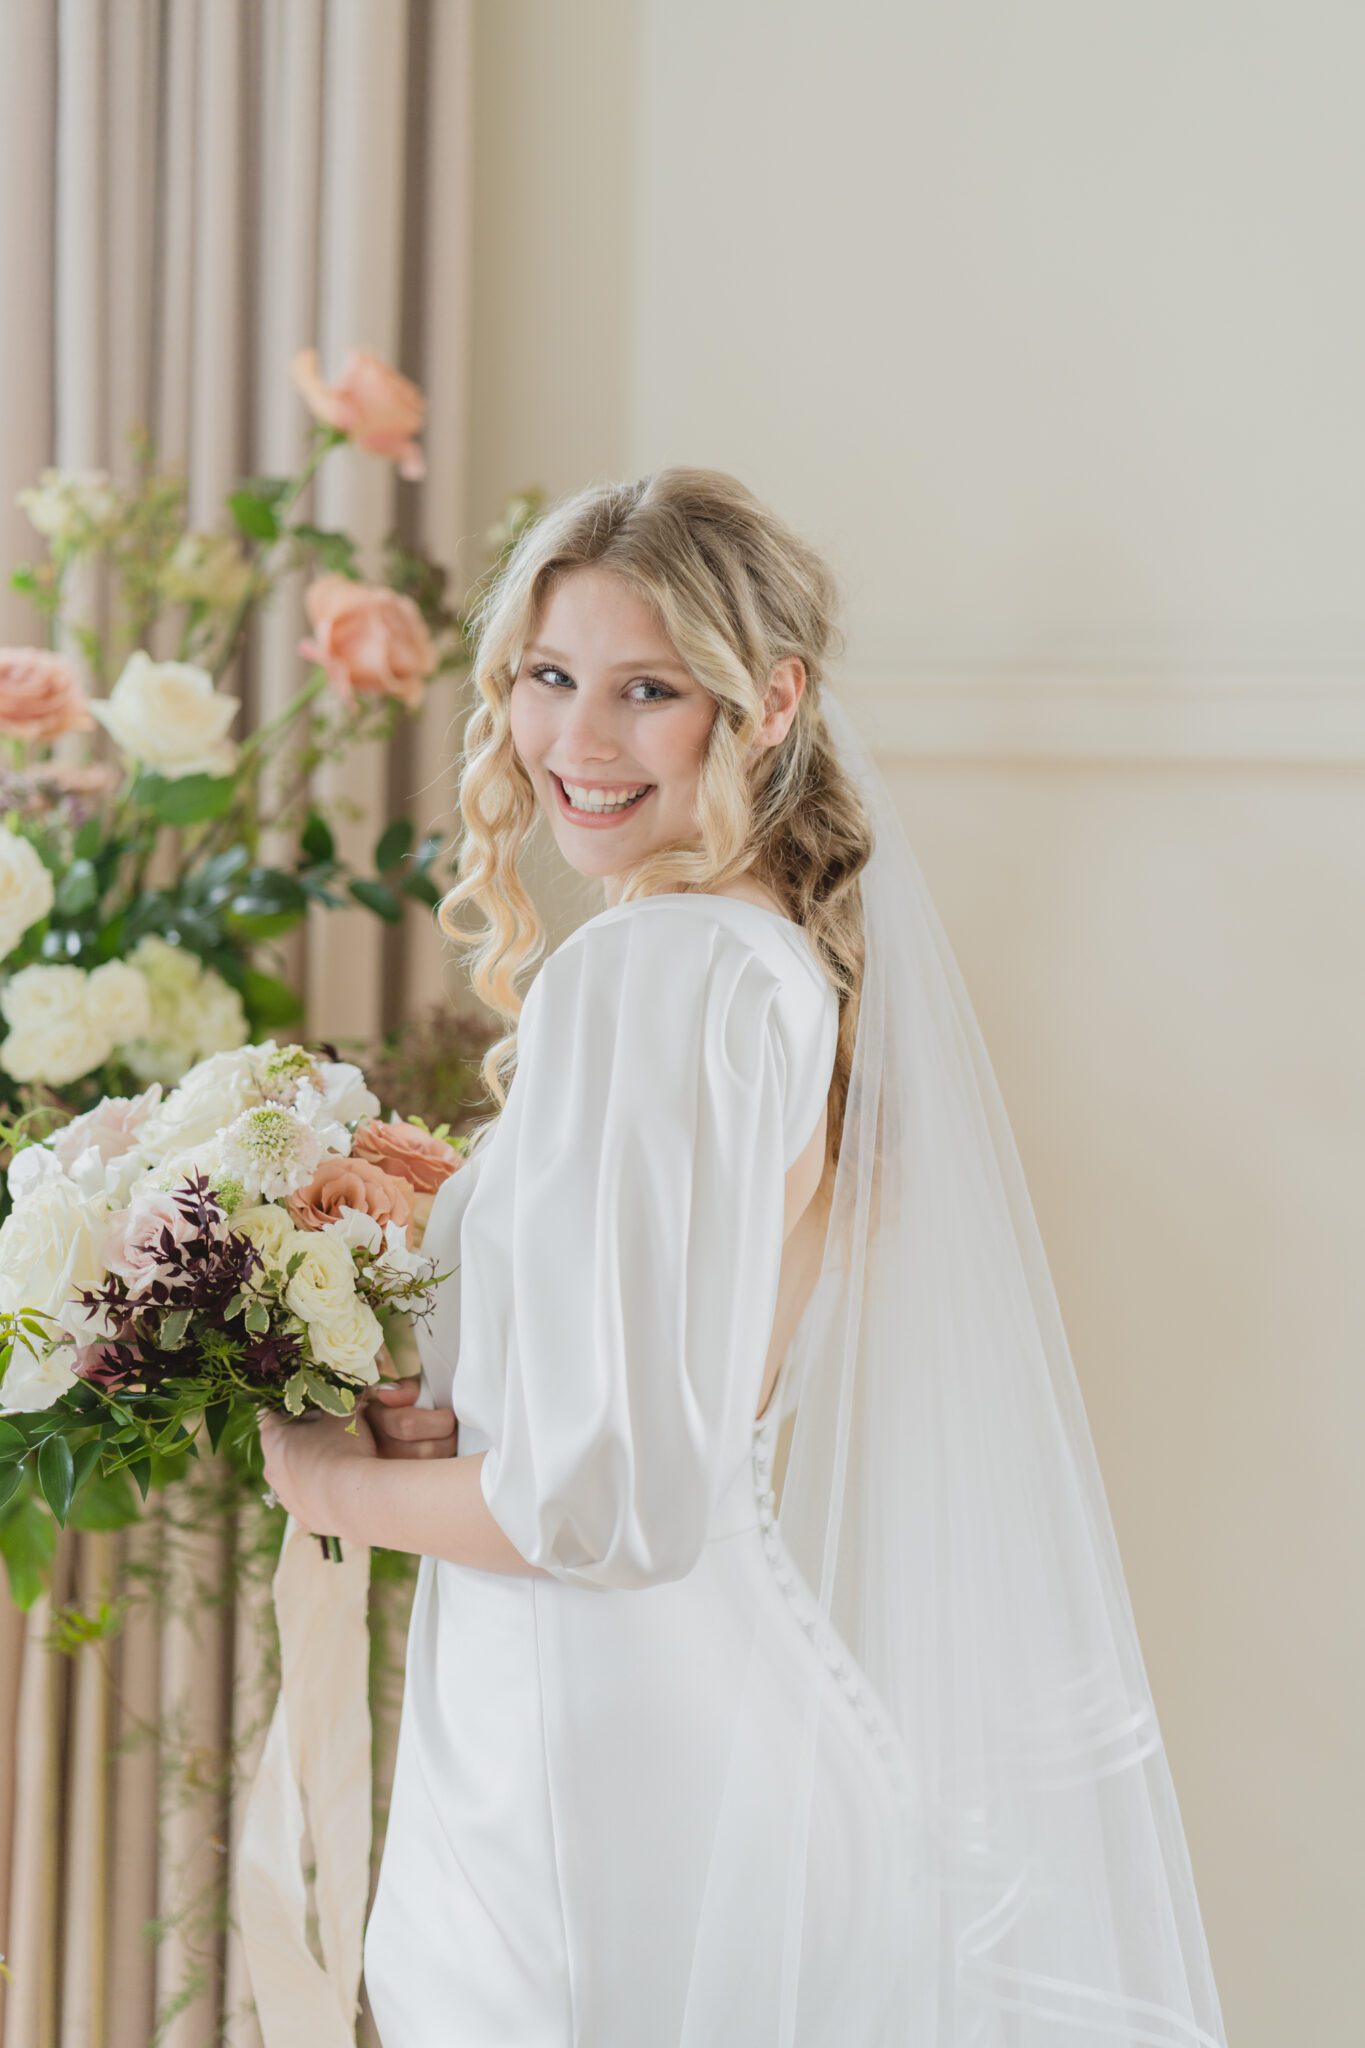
column 270, row 1230
column 168, row 716
column 324, row 1285
column 117, row 994
column 26, row 889
column 349, row 1341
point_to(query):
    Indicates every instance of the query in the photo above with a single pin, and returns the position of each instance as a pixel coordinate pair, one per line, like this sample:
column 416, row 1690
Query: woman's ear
column 785, row 684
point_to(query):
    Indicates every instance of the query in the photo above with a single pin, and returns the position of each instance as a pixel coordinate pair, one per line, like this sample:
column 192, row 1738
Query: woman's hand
column 404, row 1431
column 306, row 1457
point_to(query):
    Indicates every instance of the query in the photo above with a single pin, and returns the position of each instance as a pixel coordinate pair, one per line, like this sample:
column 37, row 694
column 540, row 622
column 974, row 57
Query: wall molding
column 1306, row 719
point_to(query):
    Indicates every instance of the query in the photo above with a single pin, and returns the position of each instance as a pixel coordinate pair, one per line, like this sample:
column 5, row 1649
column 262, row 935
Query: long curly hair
column 736, row 591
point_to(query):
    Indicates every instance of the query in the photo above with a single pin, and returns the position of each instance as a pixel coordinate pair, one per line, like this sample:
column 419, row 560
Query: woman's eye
column 661, row 690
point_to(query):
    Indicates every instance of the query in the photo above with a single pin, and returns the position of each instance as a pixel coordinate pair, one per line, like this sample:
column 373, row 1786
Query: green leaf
column 395, row 843
column 257, row 1318
column 378, row 897
column 296, row 1393
column 270, row 1002
column 56, row 1475
column 89, row 839
column 174, row 1327
column 335, row 1400
column 77, row 890
column 141, row 1471
column 334, row 551
column 28, row 1538
column 316, row 839
column 421, row 888
column 184, row 799
column 215, row 1421
column 105, row 1502
column 254, row 515
column 13, row 1443
column 11, row 1479
column 86, row 1459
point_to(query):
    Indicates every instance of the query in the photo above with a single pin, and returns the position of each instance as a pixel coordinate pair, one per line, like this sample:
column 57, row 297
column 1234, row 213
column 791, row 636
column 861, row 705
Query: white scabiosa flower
column 26, row 890
column 271, row 1151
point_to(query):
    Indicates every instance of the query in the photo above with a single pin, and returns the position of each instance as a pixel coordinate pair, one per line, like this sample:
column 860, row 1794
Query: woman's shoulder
column 676, row 927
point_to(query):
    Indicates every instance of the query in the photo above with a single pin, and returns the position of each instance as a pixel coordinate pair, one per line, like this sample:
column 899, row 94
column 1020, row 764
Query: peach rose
column 374, row 406
column 408, row 1152
column 350, row 1184
column 367, row 638
column 40, row 695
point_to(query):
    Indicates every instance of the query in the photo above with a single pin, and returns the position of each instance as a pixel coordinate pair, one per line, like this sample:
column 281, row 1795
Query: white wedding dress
column 589, row 1842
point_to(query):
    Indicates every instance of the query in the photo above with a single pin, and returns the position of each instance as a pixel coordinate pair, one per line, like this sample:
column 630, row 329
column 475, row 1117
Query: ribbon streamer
column 314, row 1776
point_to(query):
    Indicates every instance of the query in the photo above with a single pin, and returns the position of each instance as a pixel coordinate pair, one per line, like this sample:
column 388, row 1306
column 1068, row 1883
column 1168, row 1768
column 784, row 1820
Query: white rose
column 31, row 1382
column 270, row 1229
column 39, row 997
column 206, row 568
column 28, row 1169
column 50, row 1246
column 324, row 1285
column 209, row 1097
column 349, row 1342
column 168, row 716
column 194, row 1012
column 117, row 995
column 26, row 890
column 56, row 1053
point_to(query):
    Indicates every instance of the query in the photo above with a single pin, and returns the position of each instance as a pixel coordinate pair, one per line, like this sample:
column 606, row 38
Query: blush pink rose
column 133, row 1246
column 350, row 1184
column 368, row 639
column 40, row 695
column 408, row 1152
column 374, row 406
column 112, row 1127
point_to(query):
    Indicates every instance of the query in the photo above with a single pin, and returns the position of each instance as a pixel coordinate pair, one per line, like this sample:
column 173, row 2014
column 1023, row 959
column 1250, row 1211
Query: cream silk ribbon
column 315, row 1773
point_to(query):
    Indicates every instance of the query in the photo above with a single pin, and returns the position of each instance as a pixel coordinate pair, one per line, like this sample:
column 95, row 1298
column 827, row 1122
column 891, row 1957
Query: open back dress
column 590, row 1839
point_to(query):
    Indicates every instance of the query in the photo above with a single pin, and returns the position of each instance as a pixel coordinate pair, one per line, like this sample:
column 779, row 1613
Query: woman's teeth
column 581, row 799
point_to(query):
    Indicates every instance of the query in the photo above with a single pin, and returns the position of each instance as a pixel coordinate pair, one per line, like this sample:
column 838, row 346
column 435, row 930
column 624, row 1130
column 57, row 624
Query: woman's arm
column 433, row 1507
column 325, row 1471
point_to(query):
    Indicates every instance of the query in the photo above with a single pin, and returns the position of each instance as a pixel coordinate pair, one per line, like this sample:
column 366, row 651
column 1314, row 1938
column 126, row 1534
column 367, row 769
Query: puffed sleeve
column 642, row 1175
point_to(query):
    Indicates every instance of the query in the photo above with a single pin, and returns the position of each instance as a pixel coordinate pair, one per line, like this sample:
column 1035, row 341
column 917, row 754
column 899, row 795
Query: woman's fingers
column 404, row 1431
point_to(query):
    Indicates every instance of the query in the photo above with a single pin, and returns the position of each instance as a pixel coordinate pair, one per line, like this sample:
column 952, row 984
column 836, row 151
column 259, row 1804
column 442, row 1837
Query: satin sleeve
column 642, row 1249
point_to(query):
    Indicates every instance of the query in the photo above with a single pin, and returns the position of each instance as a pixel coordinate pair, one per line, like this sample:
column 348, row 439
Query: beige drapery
column 190, row 190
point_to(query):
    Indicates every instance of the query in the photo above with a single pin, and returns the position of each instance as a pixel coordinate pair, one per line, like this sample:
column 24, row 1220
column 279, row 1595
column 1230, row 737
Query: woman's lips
column 596, row 821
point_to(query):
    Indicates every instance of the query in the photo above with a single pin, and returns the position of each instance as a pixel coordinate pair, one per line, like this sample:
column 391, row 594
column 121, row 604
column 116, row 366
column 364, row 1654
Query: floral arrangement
column 137, row 898
column 174, row 1262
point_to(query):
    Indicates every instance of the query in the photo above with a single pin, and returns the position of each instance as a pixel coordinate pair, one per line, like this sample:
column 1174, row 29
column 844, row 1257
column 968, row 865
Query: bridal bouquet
column 172, row 1263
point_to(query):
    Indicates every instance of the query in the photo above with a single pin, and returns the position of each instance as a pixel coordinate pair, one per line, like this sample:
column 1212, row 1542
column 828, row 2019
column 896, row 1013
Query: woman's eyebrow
column 638, row 661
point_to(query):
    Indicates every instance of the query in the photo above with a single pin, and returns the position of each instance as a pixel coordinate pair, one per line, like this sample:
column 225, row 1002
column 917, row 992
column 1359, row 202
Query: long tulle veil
column 943, row 1504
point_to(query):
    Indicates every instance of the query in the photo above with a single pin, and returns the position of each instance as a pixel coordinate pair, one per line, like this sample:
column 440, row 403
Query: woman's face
column 601, row 708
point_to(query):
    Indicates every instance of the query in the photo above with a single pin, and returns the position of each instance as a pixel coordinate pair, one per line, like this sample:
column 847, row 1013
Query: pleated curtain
column 191, row 190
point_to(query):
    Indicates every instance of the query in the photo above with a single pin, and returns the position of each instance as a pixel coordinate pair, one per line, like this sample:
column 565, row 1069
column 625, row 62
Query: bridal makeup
column 609, row 725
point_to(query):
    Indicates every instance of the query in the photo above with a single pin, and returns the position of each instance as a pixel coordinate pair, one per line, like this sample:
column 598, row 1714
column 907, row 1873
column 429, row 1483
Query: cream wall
column 1046, row 322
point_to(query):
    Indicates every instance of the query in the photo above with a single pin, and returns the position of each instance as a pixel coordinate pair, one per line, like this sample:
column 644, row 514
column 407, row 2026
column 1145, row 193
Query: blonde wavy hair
column 736, row 591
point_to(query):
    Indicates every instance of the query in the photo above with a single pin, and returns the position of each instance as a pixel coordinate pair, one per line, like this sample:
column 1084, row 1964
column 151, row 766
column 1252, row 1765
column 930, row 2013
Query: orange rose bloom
column 374, row 406
column 367, row 638
column 40, row 695
column 408, row 1152
column 350, row 1184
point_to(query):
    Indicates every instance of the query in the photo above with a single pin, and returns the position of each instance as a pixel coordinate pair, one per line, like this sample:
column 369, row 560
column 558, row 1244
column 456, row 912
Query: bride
column 679, row 1767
